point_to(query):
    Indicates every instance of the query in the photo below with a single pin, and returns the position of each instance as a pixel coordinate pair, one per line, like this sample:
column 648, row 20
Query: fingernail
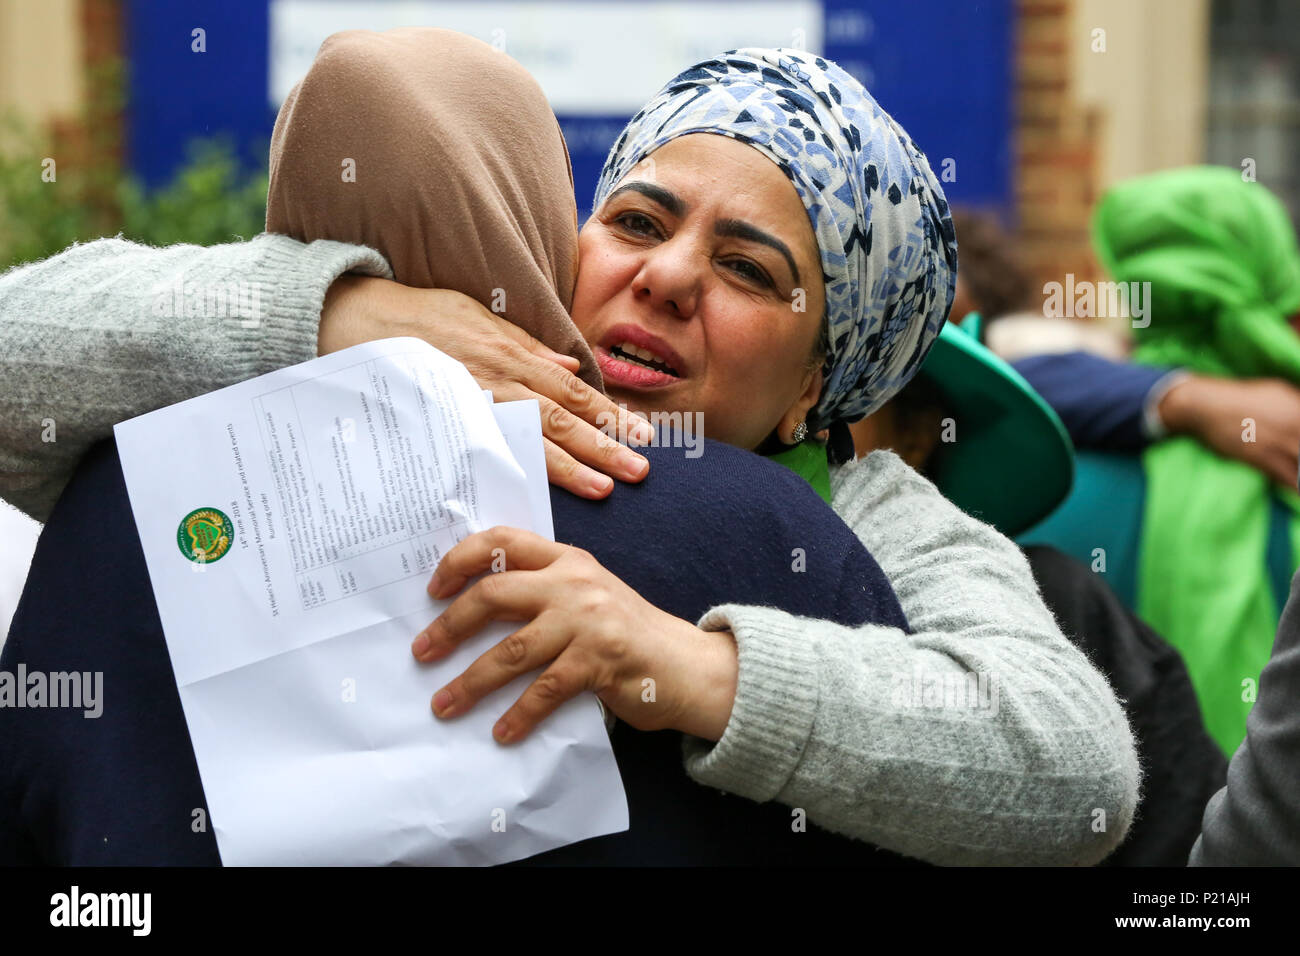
column 502, row 730
column 637, row 465
column 601, row 484
column 420, row 646
column 435, row 585
column 442, row 702
column 640, row 431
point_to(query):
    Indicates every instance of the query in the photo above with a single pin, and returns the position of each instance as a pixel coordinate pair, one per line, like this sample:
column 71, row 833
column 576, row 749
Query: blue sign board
column 942, row 68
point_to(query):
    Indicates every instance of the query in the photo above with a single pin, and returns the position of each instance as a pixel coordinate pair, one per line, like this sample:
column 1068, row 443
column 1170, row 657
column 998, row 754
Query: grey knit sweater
column 983, row 737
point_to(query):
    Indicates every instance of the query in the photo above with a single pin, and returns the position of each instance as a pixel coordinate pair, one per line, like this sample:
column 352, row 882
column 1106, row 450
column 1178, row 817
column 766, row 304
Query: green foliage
column 210, row 199
column 37, row 217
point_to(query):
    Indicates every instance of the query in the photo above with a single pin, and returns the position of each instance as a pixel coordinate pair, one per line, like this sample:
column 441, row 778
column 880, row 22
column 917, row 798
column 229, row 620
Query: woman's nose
column 670, row 278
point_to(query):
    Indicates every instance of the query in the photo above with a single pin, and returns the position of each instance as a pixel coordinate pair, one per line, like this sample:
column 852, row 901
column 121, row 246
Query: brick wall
column 91, row 142
column 1056, row 146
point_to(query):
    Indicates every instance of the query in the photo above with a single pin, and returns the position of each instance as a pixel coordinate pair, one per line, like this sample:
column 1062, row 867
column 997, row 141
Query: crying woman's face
column 700, row 290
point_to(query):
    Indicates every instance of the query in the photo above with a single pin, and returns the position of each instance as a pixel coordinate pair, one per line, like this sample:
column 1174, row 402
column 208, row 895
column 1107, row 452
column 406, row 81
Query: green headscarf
column 1221, row 257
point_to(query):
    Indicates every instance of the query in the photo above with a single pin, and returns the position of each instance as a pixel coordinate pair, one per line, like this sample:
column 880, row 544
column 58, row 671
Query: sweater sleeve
column 1103, row 404
column 982, row 737
column 108, row 330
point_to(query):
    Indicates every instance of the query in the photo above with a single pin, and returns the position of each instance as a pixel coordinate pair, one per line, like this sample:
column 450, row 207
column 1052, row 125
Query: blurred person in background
column 1254, row 820
column 1220, row 538
column 1198, row 534
column 1085, row 372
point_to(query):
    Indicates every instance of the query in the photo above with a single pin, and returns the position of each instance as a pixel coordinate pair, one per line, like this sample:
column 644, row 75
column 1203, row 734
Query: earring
column 800, row 433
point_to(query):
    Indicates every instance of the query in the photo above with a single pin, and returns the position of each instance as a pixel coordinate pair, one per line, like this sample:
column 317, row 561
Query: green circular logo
column 205, row 535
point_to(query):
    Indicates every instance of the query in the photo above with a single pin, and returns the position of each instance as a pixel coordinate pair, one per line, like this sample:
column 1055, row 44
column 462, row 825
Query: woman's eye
column 748, row 270
column 637, row 223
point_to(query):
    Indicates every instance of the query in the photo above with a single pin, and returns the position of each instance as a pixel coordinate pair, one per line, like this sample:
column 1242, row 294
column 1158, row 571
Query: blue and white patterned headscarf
column 888, row 250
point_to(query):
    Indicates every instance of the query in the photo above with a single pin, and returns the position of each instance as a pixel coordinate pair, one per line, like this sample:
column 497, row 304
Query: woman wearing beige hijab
column 442, row 153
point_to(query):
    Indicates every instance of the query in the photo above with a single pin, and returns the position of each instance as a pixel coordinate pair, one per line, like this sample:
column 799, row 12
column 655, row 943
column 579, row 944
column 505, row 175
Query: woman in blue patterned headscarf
column 883, row 238
column 769, row 250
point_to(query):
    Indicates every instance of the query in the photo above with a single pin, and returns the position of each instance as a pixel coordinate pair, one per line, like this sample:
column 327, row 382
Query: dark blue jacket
column 123, row 788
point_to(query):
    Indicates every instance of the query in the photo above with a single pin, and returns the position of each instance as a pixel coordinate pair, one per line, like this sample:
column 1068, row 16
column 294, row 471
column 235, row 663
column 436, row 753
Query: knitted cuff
column 1153, row 426
column 298, row 276
column 776, row 703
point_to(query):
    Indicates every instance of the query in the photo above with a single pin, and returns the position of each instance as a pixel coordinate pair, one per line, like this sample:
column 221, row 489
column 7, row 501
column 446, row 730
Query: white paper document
column 290, row 524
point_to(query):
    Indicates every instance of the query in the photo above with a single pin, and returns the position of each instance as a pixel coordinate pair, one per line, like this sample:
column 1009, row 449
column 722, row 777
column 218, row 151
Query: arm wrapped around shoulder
column 111, row 329
column 982, row 737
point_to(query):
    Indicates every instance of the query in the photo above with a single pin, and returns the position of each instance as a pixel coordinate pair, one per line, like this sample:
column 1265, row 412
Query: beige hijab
column 443, row 154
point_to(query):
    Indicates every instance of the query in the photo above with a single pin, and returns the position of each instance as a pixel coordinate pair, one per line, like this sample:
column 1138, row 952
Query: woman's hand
column 503, row 359
column 586, row 627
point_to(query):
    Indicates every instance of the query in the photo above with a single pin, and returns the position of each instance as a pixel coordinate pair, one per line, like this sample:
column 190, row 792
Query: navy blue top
column 123, row 788
column 1100, row 402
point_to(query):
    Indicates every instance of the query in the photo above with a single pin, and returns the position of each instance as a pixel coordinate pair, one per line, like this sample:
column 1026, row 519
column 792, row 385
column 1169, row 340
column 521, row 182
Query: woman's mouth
column 632, row 358
column 621, row 367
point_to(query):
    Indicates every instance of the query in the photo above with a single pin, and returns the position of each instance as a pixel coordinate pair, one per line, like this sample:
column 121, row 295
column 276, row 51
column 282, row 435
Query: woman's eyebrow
column 738, row 229
column 663, row 197
column 735, row 228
